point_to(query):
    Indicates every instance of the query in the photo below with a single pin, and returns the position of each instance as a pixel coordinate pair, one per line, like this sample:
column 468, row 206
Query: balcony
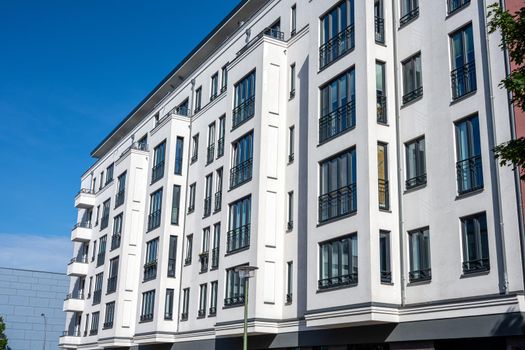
column 384, row 194
column 81, row 232
column 238, row 238
column 220, row 147
column 85, row 199
column 74, row 302
column 463, row 80
column 119, row 198
column 241, row 173
column 154, row 220
column 78, row 267
column 218, row 201
column 214, row 258
column 412, row 95
column 339, row 45
column 336, row 122
column 204, row 259
column 234, row 301
column 338, row 203
column 409, row 16
column 243, row 112
column 416, row 181
column 150, row 270
column 338, row 281
column 381, row 108
column 379, row 25
column 207, row 207
column 157, row 172
column 420, row 275
column 210, row 154
column 473, row 266
column 469, row 175
column 69, row 338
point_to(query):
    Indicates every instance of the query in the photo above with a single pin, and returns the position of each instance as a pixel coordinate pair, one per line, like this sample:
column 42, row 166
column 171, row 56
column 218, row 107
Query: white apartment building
column 343, row 147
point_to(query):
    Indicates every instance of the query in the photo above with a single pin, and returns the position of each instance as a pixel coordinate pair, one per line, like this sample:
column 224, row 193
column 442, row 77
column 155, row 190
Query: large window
column 195, row 148
column 381, row 93
column 189, row 249
column 157, row 172
column 210, row 151
column 109, row 316
column 468, row 166
column 293, row 21
column 384, row 257
column 415, row 163
column 97, row 292
column 205, row 250
column 104, row 221
column 239, row 229
column 102, row 250
column 150, row 263
column 198, row 99
column 203, row 294
column 168, row 305
column 337, row 33
column 94, row 323
column 337, row 106
column 224, row 78
column 382, row 175
column 218, row 190
column 175, row 205
column 412, row 78
column 185, row 304
column 242, row 154
column 216, row 245
column 338, row 186
column 179, row 155
column 419, row 242
column 463, row 75
column 214, row 87
column 113, row 275
column 172, row 256
column 109, row 173
column 155, row 207
column 379, row 22
column 121, row 189
column 235, row 286
column 475, row 243
column 117, row 231
column 244, row 100
column 338, row 262
column 214, row 286
column 409, row 11
column 148, row 306
column 220, row 141
column 208, row 190
column 191, row 200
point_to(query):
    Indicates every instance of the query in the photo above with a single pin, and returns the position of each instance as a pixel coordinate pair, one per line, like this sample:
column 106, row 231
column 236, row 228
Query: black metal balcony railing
column 241, row 173
column 289, row 225
column 454, row 5
column 409, row 16
column 119, row 198
column 340, row 202
column 379, row 26
column 210, row 154
column 150, row 270
column 201, row 313
column 184, row 316
column 154, row 220
column 478, row 265
column 93, row 331
column 82, row 224
column 97, row 295
column 85, row 191
column 386, row 276
column 463, row 80
column 204, row 259
column 412, row 95
column 235, row 300
column 71, row 333
column 104, row 222
column 187, row 261
column 112, row 284
column 420, row 275
column 381, row 108
column 115, row 241
column 416, row 181
column 338, row 281
column 291, row 158
column 218, row 201
column 469, row 174
column 171, row 267
column 107, row 325
column 214, row 258
column 77, row 295
column 157, row 172
column 194, row 158
column 146, row 317
column 289, row 298
column 207, row 206
column 335, row 122
column 340, row 44
column 100, row 258
column 212, row 311
column 238, row 238
column 79, row 259
column 243, row 112
column 220, row 147
column 384, row 194
column 274, row 33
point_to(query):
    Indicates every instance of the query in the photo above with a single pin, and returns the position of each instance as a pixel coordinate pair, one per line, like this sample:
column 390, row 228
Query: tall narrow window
column 148, row 306
column 155, row 208
column 224, row 78
column 113, row 275
column 97, row 216
column 218, row 190
column 172, row 256
column 338, row 186
column 293, row 21
column 381, row 93
column 469, row 166
column 198, row 99
column 101, row 180
column 244, row 100
column 216, row 245
column 117, row 232
column 379, row 22
column 337, row 106
column 384, row 256
column 203, row 294
column 214, row 286
column 195, row 148
column 205, row 249
column 189, row 249
column 475, row 243
column 109, row 316
column 191, row 204
column 157, row 172
column 208, row 194
column 183, row 108
column 220, row 141
column 86, row 326
column 242, row 152
column 97, row 292
column 109, row 173
column 235, row 288
column 101, row 250
column 289, row 281
column 210, row 151
column 463, row 75
column 292, row 81
column 415, row 163
column 382, row 176
column 290, row 211
column 412, row 78
column 121, row 190
column 338, row 262
column 94, row 323
column 291, row 144
column 104, row 222
column 175, row 205
column 179, row 155
column 185, row 304
column 150, row 263
column 168, row 305
column 214, row 88
column 419, row 242
column 409, row 11
column 239, row 230
column 337, row 33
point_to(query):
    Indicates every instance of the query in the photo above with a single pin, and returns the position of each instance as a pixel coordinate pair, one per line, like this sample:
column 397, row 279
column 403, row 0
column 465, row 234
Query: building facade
column 342, row 147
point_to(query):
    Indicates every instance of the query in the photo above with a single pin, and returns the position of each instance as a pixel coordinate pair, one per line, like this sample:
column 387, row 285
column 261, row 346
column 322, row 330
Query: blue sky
column 69, row 72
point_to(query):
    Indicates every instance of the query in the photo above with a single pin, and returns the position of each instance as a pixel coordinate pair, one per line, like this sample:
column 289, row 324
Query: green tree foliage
column 3, row 338
column 512, row 29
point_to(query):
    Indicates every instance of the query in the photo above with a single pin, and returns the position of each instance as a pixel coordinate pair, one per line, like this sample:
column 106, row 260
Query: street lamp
column 45, row 330
column 245, row 272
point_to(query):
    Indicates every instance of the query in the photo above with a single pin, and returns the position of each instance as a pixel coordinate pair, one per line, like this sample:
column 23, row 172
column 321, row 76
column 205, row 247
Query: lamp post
column 245, row 272
column 45, row 330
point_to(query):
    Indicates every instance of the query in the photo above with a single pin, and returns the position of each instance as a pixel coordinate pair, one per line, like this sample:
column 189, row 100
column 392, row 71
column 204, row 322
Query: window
column 189, row 248
column 101, row 180
column 293, row 22
column 384, row 257
column 191, row 204
column 185, row 304
column 94, row 323
column 113, row 273
column 220, row 141
column 338, row 186
column 86, row 325
column 338, row 262
column 419, row 245
column 244, row 100
column 239, row 230
column 337, row 33
column 205, row 249
column 382, row 176
column 211, row 143
column 101, row 250
column 409, row 11
column 381, row 93
column 97, row 292
column 172, row 256
column 98, row 214
column 109, row 173
column 214, row 86
column 216, row 245
column 179, row 155
column 379, row 22
column 412, row 78
column 291, row 144
column 203, row 291
column 463, row 75
column 117, row 232
column 290, row 211
column 158, row 162
column 455, row 5
column 198, row 99
column 468, row 166
column 195, row 149
column 168, row 305
column 150, row 265
column 214, row 286
column 235, row 286
column 155, row 208
column 242, row 152
column 292, row 81
column 175, row 205
column 415, row 163
column 121, row 190
column 94, row 250
column 90, row 287
column 218, row 190
column 337, row 106
column 289, row 281
column 148, row 305
column 224, row 78
column 183, row 108
column 143, row 143
column 104, row 222
column 208, row 194
column 110, row 313
column 475, row 243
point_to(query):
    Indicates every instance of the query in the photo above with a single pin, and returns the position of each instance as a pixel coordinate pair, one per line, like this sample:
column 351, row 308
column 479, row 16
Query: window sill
column 329, row 221
column 462, row 98
column 469, row 194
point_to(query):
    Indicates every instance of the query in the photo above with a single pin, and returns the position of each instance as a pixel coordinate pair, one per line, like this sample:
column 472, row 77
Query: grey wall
column 24, row 296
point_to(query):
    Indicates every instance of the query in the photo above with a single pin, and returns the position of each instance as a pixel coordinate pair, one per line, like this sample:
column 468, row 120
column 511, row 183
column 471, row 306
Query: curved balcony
column 85, row 199
column 82, row 232
column 78, row 267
